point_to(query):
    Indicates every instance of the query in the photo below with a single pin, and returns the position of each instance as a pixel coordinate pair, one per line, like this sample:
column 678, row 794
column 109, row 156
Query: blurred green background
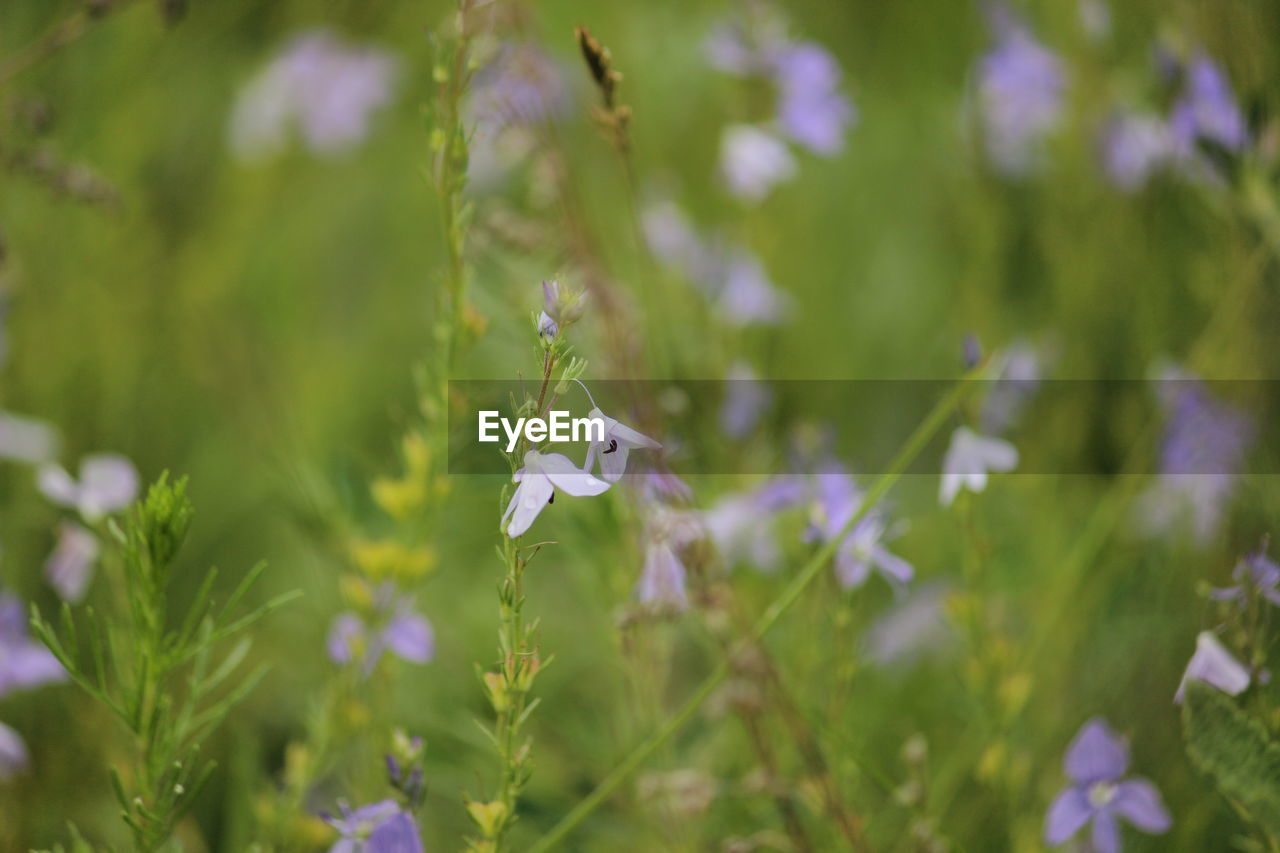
column 256, row 326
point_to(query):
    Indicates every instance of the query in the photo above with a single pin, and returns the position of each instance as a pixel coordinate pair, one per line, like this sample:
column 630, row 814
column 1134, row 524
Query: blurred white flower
column 108, row 482
column 26, row 439
column 968, row 460
column 753, row 161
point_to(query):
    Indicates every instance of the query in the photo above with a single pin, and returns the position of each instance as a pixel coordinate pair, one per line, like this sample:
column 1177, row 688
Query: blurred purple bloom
column 1207, row 110
column 753, row 161
column 913, row 627
column 1215, row 666
column 327, row 89
column 1021, row 85
column 968, row 460
column 13, row 752
column 24, row 663
column 541, row 475
column 619, row 440
column 741, row 526
column 662, row 581
column 744, row 293
column 1095, row 763
column 395, row 626
column 520, row 85
column 1135, row 146
column 861, row 549
column 26, row 439
column 746, row 397
column 1019, row 377
column 1254, row 572
column 381, row 827
column 108, row 482
column 812, row 111
column 661, row 484
column 70, row 567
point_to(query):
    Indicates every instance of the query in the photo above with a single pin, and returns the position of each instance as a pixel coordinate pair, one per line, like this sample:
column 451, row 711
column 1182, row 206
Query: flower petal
column 57, row 485
column 409, row 636
column 1138, row 801
column 108, row 482
column 1106, row 833
column 569, row 478
column 347, row 630
column 1069, row 811
column 397, row 834
column 1097, row 754
column 70, row 567
column 531, row 496
column 13, row 752
column 1215, row 666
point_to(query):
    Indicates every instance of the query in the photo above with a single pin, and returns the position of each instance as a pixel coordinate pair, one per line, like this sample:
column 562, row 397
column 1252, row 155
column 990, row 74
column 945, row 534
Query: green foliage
column 1236, row 751
column 164, row 679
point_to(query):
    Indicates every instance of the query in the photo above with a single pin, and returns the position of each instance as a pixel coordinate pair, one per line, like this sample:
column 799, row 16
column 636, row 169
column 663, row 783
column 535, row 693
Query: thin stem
column 61, row 34
column 630, row 762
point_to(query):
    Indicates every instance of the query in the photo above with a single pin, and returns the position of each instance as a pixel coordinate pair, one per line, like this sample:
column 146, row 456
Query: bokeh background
column 256, row 323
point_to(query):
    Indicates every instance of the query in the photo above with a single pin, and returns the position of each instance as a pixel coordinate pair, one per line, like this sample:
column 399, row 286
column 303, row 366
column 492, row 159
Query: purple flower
column 1135, row 146
column 394, row 626
column 968, row 460
column 560, row 307
column 1019, row 377
column 743, row 291
column 812, row 111
column 518, row 89
column 327, row 89
column 381, row 827
column 541, row 475
column 13, row 752
column 753, row 161
column 741, row 526
column 915, row 626
column 1095, row 763
column 861, row 549
column 746, row 397
column 108, row 482
column 1021, row 85
column 1207, row 110
column 26, row 439
column 24, row 663
column 661, row 484
column 1215, row 666
column 612, row 449
column 70, row 567
column 662, row 581
column 1255, row 572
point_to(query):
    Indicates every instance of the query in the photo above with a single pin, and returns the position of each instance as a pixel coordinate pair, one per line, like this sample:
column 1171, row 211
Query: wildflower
column 1021, row 84
column 24, row 663
column 394, row 626
column 662, row 581
column 541, row 475
column 741, row 525
column 811, row 109
column 746, row 398
column 1207, row 110
column 26, row 439
column 1215, row 666
column 753, row 161
column 327, row 89
column 1253, row 572
column 560, row 307
column 1020, row 369
column 968, row 460
column 860, row 549
column 70, row 567
column 1135, row 146
column 913, row 627
column 514, row 92
column 108, row 482
column 1095, row 763
column 614, row 446
column 13, row 752
column 661, row 484
column 381, row 827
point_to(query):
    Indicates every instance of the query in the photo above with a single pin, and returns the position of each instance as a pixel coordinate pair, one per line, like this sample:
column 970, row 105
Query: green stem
column 913, row 447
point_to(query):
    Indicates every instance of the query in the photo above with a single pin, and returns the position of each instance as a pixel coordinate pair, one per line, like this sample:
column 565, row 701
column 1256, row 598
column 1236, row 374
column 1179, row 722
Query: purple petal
column 1106, row 833
column 347, row 630
column 57, row 485
column 1069, row 812
column 1097, row 754
column 108, row 482
column 410, row 637
column 1138, row 801
column 1215, row 666
column 397, row 834
column 70, row 567
column 663, row 580
column 13, row 752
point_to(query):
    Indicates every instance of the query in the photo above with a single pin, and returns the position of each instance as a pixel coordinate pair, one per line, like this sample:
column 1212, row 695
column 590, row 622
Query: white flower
column 1215, row 666
column 619, row 440
column 541, row 475
column 26, row 440
column 108, row 482
column 753, row 161
column 968, row 460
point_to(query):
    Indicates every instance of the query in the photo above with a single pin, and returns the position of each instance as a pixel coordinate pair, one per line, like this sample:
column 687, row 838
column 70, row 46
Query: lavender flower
column 1095, row 763
column 741, row 526
column 753, row 161
column 396, row 627
column 541, row 475
column 915, row 626
column 26, row 439
column 1215, row 666
column 1207, row 110
column 1135, row 146
column 381, row 827
column 812, row 110
column 24, row 663
column 328, row 90
column 561, row 307
column 13, row 753
column 613, row 448
column 661, row 484
column 108, row 482
column 861, row 549
column 1019, row 377
column 518, row 89
column 968, row 460
column 746, row 398
column 1254, row 572
column 70, row 567
column 662, row 581
column 1021, row 85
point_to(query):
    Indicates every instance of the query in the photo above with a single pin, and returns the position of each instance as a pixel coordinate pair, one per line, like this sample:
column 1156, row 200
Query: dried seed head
column 600, row 64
